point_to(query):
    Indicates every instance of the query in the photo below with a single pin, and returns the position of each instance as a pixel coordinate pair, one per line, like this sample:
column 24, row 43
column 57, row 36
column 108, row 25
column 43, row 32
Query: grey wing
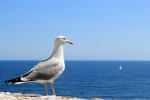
column 43, row 71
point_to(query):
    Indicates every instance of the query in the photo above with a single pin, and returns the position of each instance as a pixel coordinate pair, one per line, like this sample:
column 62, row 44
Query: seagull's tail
column 14, row 81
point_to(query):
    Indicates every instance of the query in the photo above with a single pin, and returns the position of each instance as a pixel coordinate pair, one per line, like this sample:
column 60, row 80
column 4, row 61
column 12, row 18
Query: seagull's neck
column 58, row 52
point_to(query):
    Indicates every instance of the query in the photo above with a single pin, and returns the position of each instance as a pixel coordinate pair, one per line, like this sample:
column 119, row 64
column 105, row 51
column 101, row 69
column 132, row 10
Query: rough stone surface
column 19, row 96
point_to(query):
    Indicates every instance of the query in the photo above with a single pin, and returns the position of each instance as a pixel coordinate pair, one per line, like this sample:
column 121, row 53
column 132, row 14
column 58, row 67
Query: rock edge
column 20, row 96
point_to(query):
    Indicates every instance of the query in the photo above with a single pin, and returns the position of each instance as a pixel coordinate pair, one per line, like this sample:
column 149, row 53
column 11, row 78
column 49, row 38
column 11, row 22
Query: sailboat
column 120, row 68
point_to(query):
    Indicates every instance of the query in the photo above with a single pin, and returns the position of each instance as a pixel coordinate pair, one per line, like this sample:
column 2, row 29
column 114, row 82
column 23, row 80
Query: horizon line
column 71, row 60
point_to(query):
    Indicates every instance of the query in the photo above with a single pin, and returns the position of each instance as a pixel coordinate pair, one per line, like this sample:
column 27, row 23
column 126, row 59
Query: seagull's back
column 46, row 71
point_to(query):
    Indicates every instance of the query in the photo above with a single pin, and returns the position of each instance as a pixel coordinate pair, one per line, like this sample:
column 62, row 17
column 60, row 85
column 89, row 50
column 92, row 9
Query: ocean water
column 86, row 79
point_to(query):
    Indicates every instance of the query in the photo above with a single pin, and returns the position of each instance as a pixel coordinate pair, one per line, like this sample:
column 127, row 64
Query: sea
column 85, row 79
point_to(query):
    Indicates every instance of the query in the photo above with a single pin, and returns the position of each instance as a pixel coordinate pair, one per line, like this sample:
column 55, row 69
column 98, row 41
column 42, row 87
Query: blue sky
column 100, row 29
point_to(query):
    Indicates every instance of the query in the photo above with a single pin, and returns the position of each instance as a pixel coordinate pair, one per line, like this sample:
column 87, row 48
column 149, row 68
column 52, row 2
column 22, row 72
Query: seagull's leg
column 52, row 85
column 45, row 85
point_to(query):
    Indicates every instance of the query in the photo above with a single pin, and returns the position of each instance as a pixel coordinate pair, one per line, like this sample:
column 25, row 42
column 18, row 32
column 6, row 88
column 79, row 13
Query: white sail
column 120, row 68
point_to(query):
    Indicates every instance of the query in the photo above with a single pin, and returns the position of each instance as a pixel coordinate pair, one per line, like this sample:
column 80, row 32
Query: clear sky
column 100, row 29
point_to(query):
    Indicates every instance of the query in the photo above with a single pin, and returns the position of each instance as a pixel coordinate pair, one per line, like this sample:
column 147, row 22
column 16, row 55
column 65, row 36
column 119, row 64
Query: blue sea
column 86, row 79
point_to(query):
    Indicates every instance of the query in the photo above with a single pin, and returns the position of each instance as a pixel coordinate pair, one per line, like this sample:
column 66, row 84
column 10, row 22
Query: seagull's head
column 62, row 40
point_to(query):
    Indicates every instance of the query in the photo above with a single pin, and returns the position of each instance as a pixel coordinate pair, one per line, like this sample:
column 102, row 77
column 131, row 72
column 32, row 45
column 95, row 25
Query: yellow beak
column 68, row 41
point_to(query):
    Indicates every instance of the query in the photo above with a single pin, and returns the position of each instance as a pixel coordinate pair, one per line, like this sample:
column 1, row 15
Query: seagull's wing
column 44, row 70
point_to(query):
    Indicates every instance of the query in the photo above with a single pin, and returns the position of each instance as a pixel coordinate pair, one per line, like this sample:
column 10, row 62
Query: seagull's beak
column 68, row 41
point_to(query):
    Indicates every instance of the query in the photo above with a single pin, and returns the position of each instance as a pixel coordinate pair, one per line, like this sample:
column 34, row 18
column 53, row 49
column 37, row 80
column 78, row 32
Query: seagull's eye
column 64, row 38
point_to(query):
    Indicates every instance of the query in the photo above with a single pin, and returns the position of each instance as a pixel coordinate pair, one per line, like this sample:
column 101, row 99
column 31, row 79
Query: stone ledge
column 20, row 96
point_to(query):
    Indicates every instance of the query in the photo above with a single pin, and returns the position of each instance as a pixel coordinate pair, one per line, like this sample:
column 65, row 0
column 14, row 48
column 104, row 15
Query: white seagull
column 47, row 70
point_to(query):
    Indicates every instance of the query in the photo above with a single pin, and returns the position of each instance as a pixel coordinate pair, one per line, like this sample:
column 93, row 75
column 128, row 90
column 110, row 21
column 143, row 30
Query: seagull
column 47, row 70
